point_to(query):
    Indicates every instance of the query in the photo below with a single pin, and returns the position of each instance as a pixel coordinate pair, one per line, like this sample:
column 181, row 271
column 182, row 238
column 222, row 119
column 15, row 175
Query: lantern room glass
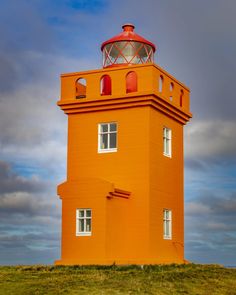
column 127, row 52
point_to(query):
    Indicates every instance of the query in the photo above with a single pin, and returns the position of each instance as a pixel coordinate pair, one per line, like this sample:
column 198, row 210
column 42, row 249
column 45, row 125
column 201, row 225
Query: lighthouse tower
column 122, row 201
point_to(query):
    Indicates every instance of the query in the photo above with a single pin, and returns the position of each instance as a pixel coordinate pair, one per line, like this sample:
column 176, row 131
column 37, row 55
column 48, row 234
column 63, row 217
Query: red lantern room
column 127, row 48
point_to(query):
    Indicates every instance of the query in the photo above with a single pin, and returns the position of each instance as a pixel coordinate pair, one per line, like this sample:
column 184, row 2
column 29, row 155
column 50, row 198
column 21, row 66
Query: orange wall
column 132, row 156
column 166, row 188
column 125, row 221
column 84, row 249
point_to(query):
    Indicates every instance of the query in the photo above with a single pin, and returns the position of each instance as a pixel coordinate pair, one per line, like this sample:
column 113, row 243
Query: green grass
column 159, row 279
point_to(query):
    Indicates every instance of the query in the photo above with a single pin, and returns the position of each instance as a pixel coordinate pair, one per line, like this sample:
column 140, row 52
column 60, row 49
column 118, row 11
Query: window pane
column 143, row 51
column 164, row 132
column 103, row 141
column 167, row 147
column 88, row 225
column 81, row 213
column 121, row 60
column 167, row 228
column 104, row 128
column 128, row 52
column 113, row 140
column 168, row 133
column 164, row 228
column 81, row 225
column 88, row 213
column 167, row 214
column 113, row 127
column 164, row 143
column 114, row 52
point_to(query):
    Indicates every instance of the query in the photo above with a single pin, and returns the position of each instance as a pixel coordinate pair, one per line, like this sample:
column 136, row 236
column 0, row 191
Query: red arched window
column 131, row 82
column 160, row 86
column 80, row 88
column 171, row 91
column 105, row 85
column 181, row 97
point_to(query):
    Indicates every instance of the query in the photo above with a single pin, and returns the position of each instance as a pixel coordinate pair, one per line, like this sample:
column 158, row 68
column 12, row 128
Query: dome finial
column 128, row 27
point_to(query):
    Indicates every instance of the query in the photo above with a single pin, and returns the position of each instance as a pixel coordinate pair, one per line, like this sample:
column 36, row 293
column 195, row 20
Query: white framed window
column 167, row 224
column 167, row 142
column 107, row 137
column 83, row 222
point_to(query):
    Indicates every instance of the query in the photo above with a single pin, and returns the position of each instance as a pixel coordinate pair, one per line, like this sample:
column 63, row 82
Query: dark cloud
column 11, row 182
column 210, row 141
column 26, row 30
column 195, row 164
column 213, row 205
column 22, row 36
column 8, row 74
column 19, row 253
column 25, row 204
column 29, row 218
column 211, row 228
column 22, row 197
column 41, row 240
column 29, row 235
column 202, row 252
column 226, row 206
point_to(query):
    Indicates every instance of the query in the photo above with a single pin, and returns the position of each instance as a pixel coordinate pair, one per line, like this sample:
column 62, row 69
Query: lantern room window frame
column 109, row 61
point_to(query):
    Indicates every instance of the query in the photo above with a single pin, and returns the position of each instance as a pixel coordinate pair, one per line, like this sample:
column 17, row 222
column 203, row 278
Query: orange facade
column 128, row 188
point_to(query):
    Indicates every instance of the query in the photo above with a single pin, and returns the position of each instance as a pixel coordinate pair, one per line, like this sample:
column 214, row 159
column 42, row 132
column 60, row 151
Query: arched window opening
column 105, row 85
column 171, row 91
column 80, row 88
column 131, row 82
column 181, row 97
column 160, row 86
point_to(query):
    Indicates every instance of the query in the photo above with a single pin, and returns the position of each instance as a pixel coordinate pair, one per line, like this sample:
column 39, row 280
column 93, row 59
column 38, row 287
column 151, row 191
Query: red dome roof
column 128, row 34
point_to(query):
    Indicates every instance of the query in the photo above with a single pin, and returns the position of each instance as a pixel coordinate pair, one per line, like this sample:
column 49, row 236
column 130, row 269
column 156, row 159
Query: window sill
column 167, row 238
column 107, row 151
column 167, row 155
column 83, row 234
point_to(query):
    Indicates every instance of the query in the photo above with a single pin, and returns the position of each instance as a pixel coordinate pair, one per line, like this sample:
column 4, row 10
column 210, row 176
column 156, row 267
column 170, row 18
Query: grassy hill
column 159, row 279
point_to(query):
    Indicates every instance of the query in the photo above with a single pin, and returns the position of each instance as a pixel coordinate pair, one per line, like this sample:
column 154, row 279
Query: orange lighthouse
column 122, row 201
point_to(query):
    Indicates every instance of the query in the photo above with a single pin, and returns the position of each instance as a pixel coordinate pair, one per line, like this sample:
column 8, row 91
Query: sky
column 40, row 39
